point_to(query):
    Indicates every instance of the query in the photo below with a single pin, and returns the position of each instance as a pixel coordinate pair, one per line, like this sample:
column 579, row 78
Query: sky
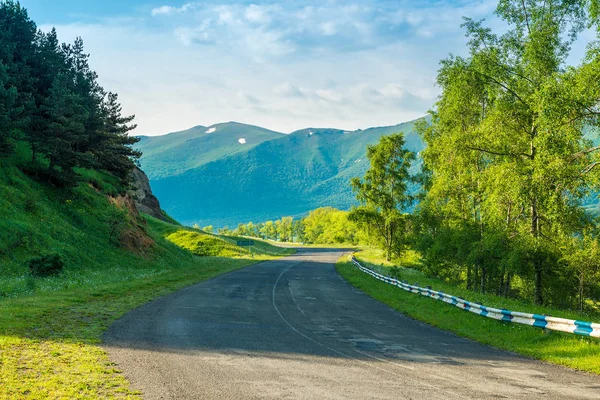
column 280, row 64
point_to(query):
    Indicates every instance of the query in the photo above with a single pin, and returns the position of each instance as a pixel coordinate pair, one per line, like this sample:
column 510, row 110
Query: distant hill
column 285, row 175
column 178, row 152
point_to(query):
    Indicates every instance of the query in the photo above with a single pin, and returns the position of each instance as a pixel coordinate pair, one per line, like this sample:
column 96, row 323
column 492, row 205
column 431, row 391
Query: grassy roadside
column 310, row 245
column 564, row 349
column 49, row 340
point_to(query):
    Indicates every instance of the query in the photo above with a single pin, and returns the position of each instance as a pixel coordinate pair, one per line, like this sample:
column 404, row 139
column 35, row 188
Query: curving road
column 293, row 329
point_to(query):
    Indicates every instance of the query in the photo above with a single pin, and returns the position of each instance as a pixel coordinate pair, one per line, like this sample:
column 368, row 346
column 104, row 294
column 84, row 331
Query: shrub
column 47, row 265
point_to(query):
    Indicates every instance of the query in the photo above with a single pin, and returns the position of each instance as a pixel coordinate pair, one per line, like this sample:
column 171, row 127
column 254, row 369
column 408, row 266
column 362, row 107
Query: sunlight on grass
column 53, row 369
column 206, row 245
column 50, row 336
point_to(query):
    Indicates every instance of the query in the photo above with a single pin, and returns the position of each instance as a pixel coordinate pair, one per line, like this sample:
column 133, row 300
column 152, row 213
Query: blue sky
column 281, row 64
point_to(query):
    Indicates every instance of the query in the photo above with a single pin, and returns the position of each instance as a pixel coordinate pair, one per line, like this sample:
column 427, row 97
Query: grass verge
column 569, row 350
column 50, row 337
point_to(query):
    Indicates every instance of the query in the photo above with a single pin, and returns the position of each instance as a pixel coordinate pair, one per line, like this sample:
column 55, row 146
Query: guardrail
column 541, row 321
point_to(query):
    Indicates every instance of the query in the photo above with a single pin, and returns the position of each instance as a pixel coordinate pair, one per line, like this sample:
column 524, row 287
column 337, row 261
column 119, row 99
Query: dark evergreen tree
column 113, row 144
column 50, row 97
column 48, row 63
column 17, row 56
column 65, row 113
column 8, row 98
column 87, row 87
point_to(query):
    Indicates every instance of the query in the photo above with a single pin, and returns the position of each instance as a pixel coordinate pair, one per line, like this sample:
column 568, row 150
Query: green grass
column 51, row 328
column 569, row 350
column 206, row 245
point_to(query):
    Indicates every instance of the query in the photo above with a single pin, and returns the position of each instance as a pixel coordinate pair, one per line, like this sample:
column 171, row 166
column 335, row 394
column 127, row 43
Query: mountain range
column 229, row 173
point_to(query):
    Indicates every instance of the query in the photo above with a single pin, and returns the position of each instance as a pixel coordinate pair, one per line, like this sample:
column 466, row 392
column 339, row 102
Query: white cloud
column 242, row 141
column 328, row 28
column 164, row 10
column 280, row 29
column 281, row 65
column 258, row 14
column 169, row 10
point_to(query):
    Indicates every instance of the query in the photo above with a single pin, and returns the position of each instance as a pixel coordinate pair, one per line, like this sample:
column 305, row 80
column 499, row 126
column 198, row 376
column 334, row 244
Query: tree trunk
column 507, row 285
column 538, row 263
column 500, row 287
column 581, row 290
column 483, row 278
column 388, row 243
column 535, row 232
column 469, row 278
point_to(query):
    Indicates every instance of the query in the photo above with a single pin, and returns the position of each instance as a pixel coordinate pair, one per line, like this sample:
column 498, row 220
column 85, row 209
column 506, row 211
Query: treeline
column 50, row 99
column 512, row 155
column 325, row 225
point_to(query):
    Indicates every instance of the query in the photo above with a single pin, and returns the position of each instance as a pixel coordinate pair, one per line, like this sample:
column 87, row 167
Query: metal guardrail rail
column 541, row 321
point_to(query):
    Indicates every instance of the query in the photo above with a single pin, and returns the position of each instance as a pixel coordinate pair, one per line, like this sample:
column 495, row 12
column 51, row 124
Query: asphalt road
column 294, row 329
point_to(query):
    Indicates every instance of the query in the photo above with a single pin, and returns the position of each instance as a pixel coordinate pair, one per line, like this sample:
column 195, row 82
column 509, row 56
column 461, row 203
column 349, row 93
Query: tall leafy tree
column 506, row 149
column 383, row 192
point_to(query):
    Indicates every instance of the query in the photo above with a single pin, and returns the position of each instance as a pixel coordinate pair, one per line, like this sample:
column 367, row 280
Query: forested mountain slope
column 291, row 175
column 177, row 152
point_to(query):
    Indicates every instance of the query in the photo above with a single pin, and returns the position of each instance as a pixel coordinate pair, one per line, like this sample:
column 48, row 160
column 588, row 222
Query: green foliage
column 325, row 225
column 8, row 97
column 328, row 226
column 509, row 160
column 46, row 265
column 582, row 254
column 383, row 193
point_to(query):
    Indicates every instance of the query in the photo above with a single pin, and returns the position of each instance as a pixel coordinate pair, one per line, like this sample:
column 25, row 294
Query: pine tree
column 64, row 111
column 112, row 144
column 8, row 97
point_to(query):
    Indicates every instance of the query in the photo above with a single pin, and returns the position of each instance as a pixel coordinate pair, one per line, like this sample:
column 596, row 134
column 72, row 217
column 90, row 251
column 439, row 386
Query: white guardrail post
column 541, row 321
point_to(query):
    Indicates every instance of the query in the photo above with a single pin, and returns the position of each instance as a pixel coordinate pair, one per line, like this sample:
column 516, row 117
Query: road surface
column 294, row 329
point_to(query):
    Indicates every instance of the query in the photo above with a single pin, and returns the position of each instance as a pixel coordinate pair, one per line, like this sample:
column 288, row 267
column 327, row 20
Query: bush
column 48, row 265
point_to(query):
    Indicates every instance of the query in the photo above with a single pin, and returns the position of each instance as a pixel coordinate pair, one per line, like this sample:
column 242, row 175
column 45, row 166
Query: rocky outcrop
column 141, row 192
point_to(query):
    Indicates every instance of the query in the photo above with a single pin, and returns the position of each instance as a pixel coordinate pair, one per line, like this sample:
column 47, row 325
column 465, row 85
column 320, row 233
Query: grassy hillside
column 178, row 152
column 114, row 261
column 288, row 176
